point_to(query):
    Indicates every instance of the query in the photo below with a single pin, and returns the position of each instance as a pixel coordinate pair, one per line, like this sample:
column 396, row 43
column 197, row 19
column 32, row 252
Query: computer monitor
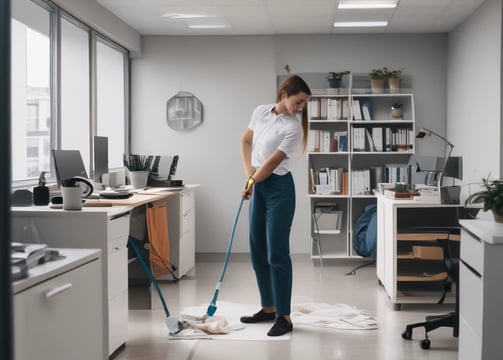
column 100, row 158
column 68, row 163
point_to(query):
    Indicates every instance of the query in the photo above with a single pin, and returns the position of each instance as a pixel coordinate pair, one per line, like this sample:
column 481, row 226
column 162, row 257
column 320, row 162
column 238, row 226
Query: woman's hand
column 247, row 191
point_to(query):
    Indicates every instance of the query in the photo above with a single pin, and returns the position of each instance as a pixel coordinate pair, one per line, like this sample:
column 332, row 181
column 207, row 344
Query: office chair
column 451, row 264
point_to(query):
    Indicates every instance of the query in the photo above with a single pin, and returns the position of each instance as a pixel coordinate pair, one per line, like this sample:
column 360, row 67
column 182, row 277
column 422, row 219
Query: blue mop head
column 212, row 308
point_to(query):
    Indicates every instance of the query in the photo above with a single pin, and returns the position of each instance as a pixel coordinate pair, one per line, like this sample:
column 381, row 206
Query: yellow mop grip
column 249, row 183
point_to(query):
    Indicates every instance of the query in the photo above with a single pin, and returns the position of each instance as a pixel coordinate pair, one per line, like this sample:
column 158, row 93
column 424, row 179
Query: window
column 30, row 89
column 75, row 90
column 90, row 76
column 111, row 100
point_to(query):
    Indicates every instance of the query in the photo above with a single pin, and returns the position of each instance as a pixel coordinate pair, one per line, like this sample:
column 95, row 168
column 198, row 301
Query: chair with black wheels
column 451, row 263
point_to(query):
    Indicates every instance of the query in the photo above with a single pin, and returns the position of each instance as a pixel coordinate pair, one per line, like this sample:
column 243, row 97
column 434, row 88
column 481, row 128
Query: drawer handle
column 57, row 290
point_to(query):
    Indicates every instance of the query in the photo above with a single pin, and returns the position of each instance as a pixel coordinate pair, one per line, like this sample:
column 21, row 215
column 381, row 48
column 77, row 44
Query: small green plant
column 337, row 75
column 392, row 74
column 491, row 196
column 402, row 187
column 379, row 73
column 136, row 162
column 287, row 68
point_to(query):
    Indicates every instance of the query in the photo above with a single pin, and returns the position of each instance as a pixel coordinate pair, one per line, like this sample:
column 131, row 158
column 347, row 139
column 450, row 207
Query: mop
column 212, row 307
column 174, row 326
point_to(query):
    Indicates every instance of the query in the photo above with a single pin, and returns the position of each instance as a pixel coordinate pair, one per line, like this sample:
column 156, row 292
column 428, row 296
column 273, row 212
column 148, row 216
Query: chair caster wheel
column 407, row 334
column 425, row 344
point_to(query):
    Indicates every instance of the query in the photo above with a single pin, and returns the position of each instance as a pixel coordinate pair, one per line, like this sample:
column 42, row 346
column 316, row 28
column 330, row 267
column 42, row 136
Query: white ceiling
column 265, row 17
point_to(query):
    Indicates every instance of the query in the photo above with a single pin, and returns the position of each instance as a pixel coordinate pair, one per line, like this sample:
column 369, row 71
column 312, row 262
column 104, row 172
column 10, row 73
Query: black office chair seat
column 451, row 264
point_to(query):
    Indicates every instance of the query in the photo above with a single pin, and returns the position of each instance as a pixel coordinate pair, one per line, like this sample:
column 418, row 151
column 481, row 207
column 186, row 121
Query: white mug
column 114, row 179
column 72, row 197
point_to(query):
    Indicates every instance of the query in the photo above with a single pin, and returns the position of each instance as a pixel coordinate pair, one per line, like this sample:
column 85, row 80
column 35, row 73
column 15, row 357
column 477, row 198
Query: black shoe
column 280, row 327
column 260, row 316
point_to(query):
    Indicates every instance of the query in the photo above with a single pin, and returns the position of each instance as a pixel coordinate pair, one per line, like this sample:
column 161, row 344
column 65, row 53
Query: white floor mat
column 227, row 317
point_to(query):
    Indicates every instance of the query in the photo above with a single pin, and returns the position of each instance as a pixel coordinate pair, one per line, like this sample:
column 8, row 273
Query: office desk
column 411, row 274
column 180, row 206
column 481, row 294
column 107, row 228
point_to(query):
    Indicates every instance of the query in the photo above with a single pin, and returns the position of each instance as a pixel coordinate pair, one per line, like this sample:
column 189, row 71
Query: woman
column 273, row 134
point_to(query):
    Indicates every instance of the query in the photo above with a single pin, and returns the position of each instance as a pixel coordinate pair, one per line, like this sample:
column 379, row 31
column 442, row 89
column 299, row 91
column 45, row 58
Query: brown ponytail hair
column 292, row 86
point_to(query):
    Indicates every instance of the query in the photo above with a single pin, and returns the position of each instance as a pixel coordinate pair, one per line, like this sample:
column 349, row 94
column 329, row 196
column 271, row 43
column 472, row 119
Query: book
column 357, row 114
column 366, row 108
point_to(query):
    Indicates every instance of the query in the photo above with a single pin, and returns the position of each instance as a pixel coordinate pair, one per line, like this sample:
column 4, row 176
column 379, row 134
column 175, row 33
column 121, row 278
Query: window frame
column 55, row 16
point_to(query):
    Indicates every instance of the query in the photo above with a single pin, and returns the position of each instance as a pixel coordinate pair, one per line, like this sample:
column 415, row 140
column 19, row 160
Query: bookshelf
column 355, row 141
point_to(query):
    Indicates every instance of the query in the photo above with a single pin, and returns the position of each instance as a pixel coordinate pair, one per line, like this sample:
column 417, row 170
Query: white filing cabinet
column 58, row 309
column 105, row 228
column 480, row 291
column 182, row 233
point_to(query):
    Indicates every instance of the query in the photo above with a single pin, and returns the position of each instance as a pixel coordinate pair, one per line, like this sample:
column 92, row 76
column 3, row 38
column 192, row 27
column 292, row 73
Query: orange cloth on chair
column 157, row 227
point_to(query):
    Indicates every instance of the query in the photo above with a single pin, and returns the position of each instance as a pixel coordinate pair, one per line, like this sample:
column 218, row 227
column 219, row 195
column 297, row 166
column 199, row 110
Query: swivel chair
column 451, row 264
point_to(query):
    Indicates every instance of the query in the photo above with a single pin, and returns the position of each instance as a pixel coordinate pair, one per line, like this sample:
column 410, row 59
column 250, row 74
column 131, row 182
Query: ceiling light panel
column 367, row 4
column 360, row 24
column 184, row 16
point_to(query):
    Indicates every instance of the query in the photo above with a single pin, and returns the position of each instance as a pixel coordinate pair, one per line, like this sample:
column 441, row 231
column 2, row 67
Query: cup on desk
column 72, row 197
column 114, row 179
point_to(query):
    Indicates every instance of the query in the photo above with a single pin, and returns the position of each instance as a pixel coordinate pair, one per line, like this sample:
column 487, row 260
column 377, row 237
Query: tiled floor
column 147, row 336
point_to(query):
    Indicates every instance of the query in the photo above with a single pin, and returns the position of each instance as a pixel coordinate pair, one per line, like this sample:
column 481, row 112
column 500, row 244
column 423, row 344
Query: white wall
column 232, row 75
column 474, row 93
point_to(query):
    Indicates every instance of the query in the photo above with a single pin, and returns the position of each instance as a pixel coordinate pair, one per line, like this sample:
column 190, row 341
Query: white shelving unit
column 371, row 146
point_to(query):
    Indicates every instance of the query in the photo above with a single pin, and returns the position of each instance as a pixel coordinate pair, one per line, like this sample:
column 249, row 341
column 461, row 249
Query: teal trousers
column 272, row 207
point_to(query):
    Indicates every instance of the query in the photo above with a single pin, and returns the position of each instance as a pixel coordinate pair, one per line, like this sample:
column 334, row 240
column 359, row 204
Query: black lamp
column 449, row 194
column 427, row 132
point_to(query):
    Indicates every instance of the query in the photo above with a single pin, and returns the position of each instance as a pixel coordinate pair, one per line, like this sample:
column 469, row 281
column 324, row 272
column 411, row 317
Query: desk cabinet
column 480, row 292
column 103, row 228
column 51, row 320
column 182, row 233
column 410, row 273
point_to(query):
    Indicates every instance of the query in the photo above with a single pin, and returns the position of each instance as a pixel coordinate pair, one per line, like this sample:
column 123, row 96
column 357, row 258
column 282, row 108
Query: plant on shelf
column 136, row 162
column 491, row 197
column 378, row 73
column 335, row 78
column 396, row 110
column 393, row 77
column 392, row 74
column 377, row 77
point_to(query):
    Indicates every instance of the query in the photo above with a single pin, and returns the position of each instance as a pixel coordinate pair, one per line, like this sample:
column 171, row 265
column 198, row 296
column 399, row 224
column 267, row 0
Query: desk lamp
column 448, row 194
column 422, row 133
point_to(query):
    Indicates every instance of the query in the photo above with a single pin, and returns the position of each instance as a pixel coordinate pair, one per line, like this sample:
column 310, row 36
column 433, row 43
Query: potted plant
column 139, row 168
column 393, row 77
column 377, row 77
column 396, row 111
column 335, row 78
column 491, row 197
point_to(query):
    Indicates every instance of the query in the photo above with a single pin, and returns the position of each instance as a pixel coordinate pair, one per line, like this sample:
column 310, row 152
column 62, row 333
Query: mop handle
column 229, row 247
column 149, row 273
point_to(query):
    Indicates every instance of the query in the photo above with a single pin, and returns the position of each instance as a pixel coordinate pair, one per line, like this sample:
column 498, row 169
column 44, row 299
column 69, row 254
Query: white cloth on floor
column 200, row 326
column 338, row 316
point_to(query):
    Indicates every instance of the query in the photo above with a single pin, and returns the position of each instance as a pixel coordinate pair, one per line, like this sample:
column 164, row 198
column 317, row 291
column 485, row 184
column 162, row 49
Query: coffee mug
column 72, row 197
column 114, row 179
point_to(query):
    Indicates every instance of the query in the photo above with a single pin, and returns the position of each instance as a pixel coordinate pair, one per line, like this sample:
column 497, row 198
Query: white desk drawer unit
column 181, row 219
column 50, row 319
column 103, row 228
column 480, row 291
